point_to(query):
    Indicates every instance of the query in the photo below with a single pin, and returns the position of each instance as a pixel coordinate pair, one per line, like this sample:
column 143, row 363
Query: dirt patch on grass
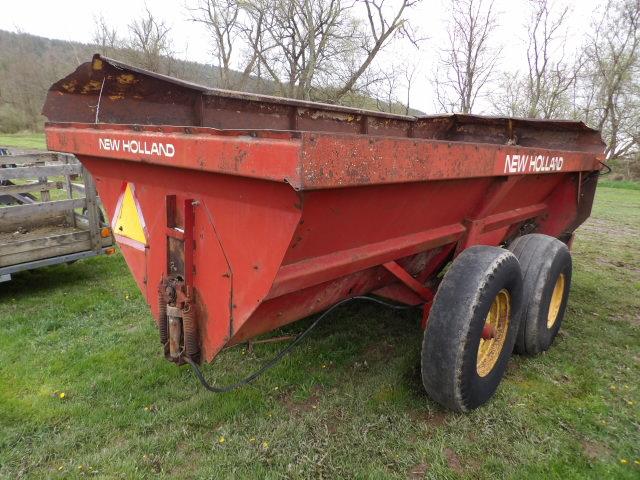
column 514, row 370
column 432, row 419
column 332, row 425
column 379, row 351
column 453, row 461
column 632, row 319
column 418, row 471
column 595, row 451
column 437, row 419
column 619, row 265
column 608, row 229
column 304, row 406
column 152, row 462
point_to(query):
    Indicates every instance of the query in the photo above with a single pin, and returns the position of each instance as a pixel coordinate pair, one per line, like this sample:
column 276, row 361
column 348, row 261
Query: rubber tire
column 542, row 259
column 457, row 317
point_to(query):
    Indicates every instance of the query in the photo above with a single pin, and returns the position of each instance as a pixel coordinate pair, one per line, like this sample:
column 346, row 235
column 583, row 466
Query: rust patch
column 70, row 86
column 126, row 79
column 201, row 317
column 239, row 158
column 332, row 115
column 264, row 112
column 91, row 86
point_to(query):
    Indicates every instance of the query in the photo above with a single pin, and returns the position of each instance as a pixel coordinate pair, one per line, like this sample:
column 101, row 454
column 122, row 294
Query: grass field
column 23, row 140
column 85, row 392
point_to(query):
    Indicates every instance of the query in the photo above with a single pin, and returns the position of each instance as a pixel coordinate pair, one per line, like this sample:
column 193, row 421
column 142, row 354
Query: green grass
column 624, row 184
column 23, row 140
column 347, row 404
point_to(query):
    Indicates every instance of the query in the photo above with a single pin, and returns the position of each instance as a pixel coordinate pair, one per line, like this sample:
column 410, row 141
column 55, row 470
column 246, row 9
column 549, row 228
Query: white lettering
column 522, row 164
column 507, row 164
column 137, row 147
column 514, row 163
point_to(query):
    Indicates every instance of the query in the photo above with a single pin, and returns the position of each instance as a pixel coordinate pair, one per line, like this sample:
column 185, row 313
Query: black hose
column 271, row 363
column 605, row 166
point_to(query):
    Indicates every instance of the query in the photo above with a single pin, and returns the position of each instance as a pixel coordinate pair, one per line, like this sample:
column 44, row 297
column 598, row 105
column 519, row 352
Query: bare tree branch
column 105, row 36
column 306, row 48
column 547, row 88
column 550, row 78
column 381, row 30
column 467, row 64
column 150, row 43
column 613, row 76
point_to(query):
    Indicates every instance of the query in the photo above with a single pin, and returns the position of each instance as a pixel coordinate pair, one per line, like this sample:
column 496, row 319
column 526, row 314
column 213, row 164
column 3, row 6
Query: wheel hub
column 494, row 333
column 556, row 301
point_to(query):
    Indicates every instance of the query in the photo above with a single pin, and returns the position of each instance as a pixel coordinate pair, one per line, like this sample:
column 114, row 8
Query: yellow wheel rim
column 556, row 301
column 497, row 327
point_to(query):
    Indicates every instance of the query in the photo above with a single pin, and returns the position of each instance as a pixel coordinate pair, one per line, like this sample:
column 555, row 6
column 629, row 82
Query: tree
column 409, row 74
column 229, row 29
column 105, row 36
column 546, row 88
column 24, row 80
column 394, row 83
column 383, row 26
column 611, row 85
column 550, row 78
column 466, row 66
column 300, row 39
column 149, row 43
column 510, row 95
column 308, row 49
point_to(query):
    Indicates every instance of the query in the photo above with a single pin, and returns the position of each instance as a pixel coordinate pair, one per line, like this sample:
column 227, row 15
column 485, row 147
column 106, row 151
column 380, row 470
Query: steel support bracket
column 405, row 277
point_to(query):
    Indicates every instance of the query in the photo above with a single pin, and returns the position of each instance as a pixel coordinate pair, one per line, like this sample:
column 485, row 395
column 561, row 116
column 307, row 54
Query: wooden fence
column 49, row 212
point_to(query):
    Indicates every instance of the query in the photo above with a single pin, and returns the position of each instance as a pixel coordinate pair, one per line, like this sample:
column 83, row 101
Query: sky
column 74, row 20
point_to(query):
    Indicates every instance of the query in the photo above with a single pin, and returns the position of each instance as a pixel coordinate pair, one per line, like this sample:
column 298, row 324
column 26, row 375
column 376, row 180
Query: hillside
column 30, row 64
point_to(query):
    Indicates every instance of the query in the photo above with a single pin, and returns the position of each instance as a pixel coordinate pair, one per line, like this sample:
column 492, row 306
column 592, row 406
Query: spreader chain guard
column 177, row 323
column 177, row 319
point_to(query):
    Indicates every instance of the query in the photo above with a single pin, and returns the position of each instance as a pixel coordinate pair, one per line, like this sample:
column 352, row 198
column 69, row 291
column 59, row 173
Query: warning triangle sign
column 129, row 222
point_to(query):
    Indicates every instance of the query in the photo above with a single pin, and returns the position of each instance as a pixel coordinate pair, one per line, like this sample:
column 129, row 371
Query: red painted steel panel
column 310, row 161
column 242, row 232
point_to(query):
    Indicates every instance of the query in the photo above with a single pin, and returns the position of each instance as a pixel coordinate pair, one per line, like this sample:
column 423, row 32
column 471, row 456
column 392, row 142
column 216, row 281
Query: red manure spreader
column 240, row 213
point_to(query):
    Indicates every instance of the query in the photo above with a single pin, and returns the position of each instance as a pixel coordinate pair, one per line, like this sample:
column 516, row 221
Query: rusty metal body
column 267, row 210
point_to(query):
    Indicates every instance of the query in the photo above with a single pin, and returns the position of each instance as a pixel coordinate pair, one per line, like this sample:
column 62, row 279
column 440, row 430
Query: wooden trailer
column 49, row 212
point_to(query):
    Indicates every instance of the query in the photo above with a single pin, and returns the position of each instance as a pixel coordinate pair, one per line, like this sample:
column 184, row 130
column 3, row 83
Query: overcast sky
column 74, row 20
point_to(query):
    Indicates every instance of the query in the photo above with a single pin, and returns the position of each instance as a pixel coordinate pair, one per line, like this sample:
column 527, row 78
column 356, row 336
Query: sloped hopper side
column 241, row 230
